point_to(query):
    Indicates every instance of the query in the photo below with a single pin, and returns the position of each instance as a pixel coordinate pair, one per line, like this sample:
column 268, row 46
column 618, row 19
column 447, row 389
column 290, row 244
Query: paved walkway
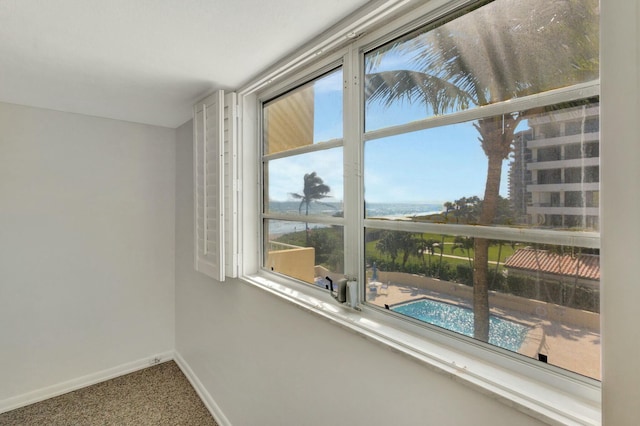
column 567, row 346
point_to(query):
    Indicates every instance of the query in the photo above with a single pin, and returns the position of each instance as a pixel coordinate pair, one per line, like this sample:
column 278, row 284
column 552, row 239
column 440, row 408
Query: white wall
column 620, row 206
column 86, row 247
column 266, row 362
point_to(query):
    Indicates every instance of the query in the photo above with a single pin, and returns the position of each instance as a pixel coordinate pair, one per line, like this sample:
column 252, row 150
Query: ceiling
column 147, row 61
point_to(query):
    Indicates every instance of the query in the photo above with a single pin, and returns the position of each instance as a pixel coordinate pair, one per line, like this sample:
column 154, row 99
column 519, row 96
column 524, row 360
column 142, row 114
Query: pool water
column 503, row 333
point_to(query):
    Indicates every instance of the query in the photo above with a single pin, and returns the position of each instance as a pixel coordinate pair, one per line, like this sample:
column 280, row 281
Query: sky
column 428, row 166
column 445, row 163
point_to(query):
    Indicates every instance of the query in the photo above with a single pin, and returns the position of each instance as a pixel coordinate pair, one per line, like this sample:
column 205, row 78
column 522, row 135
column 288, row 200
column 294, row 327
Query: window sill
column 575, row 402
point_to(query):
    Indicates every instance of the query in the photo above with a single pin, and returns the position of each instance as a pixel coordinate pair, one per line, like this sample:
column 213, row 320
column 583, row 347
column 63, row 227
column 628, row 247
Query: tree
column 387, row 244
column 395, row 243
column 428, row 247
column 487, row 56
column 466, row 245
column 500, row 244
column 467, row 208
column 448, row 206
column 314, row 189
column 408, row 246
column 440, row 245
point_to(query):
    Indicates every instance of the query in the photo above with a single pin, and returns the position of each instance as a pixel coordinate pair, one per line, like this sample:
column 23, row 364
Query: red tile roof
column 584, row 266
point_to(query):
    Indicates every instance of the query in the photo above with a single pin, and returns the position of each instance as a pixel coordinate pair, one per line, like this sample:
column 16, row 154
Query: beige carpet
column 159, row 395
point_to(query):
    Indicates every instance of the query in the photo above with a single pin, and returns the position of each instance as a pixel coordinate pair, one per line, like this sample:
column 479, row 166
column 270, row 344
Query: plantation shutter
column 230, row 185
column 208, row 155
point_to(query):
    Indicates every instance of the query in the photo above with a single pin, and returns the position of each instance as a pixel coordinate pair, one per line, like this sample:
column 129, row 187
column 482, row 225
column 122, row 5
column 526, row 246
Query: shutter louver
column 209, row 187
column 230, row 186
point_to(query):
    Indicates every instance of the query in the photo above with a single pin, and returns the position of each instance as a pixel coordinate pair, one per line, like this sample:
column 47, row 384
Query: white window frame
column 548, row 393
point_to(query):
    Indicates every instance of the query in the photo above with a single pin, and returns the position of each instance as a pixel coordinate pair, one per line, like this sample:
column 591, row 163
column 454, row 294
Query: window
column 451, row 168
column 303, row 180
column 439, row 131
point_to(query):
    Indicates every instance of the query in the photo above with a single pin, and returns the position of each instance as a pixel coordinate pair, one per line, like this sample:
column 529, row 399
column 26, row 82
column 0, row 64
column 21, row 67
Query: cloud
column 286, row 174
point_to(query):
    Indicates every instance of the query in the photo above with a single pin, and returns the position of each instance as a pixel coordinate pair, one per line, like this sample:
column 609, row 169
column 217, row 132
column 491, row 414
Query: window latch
column 347, row 291
column 341, row 294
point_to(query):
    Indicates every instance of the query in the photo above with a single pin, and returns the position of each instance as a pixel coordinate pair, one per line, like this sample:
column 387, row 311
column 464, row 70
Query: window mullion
column 353, row 206
column 541, row 236
column 564, row 94
column 304, row 149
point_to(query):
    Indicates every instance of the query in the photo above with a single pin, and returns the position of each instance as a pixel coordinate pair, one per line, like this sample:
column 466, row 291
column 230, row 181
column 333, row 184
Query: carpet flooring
column 158, row 395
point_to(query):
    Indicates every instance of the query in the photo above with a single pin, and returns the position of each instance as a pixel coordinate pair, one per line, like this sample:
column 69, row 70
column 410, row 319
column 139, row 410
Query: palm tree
column 428, row 246
column 466, row 245
column 484, row 57
column 440, row 245
column 314, row 189
column 408, row 246
column 466, row 208
column 395, row 243
column 388, row 244
column 448, row 206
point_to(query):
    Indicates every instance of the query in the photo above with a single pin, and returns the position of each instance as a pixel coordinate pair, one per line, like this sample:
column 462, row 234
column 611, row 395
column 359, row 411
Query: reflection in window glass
column 306, row 184
column 545, row 298
column 497, row 52
column 309, row 114
column 305, row 251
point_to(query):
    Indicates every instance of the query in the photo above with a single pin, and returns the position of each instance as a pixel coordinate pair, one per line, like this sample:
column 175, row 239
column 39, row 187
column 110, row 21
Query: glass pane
column 307, row 184
column 309, row 114
column 542, row 301
column 541, row 176
column 503, row 50
column 306, row 251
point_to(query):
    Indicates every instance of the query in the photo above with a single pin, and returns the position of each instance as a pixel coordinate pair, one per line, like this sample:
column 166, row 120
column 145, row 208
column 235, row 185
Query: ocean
column 392, row 210
column 373, row 210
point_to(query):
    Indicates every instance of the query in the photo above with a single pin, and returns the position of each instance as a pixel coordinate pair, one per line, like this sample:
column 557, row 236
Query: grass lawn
column 449, row 250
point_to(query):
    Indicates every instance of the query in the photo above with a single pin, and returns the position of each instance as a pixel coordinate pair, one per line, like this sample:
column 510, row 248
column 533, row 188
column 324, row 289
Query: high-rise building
column 554, row 176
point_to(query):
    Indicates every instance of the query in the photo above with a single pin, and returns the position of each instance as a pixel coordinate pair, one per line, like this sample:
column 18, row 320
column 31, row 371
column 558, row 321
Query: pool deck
column 567, row 346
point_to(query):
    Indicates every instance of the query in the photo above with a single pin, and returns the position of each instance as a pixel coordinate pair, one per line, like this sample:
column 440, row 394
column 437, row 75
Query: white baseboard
column 211, row 405
column 80, row 382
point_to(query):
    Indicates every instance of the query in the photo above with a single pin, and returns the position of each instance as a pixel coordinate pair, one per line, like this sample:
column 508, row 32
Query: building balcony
column 544, row 208
column 563, row 164
column 563, row 187
column 563, row 140
column 565, row 115
column 294, row 261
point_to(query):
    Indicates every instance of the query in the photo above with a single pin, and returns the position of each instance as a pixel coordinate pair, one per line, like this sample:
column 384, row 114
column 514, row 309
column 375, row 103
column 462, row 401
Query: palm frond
column 440, row 95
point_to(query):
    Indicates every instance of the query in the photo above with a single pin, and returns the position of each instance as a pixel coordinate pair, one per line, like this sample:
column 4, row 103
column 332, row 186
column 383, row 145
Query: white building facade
column 554, row 178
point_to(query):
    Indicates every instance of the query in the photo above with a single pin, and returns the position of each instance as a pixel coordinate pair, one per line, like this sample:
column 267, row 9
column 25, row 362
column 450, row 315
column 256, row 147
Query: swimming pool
column 503, row 333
